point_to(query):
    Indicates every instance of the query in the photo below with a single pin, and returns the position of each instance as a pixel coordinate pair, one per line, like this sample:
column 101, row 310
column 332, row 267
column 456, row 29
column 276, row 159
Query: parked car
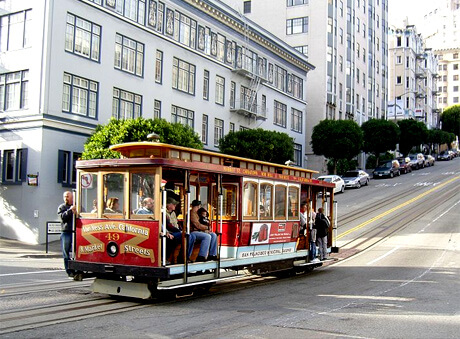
column 356, row 178
column 429, row 160
column 335, row 179
column 417, row 160
column 386, row 169
column 444, row 155
column 404, row 165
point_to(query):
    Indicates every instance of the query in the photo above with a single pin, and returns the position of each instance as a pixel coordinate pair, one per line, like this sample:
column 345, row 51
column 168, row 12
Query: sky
column 413, row 9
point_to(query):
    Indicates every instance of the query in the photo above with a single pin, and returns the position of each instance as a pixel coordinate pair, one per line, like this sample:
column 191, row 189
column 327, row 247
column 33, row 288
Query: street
column 397, row 276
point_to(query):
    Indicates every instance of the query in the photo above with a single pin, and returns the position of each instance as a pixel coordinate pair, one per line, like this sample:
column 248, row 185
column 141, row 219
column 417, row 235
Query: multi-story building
column 449, row 77
column 413, row 78
column 347, row 43
column 68, row 65
column 439, row 24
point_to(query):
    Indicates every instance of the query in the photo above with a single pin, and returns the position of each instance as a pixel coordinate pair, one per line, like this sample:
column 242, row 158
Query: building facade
column 413, row 78
column 449, row 77
column 68, row 65
column 347, row 43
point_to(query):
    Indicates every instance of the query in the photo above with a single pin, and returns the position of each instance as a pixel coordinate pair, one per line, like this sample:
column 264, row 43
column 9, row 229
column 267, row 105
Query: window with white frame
column 280, row 78
column 131, row 9
column 204, row 129
column 129, row 55
column 291, row 3
column 302, row 49
column 232, row 127
column 15, row 30
column 14, row 90
column 14, row 166
column 297, row 25
column 159, row 67
column 79, row 96
column 67, row 173
column 182, row 115
column 218, row 131
column 280, row 112
column 297, row 86
column 186, row 29
column 83, row 37
column 232, row 94
column 183, row 76
column 206, row 85
column 126, row 105
column 156, row 109
column 296, row 120
column 220, row 90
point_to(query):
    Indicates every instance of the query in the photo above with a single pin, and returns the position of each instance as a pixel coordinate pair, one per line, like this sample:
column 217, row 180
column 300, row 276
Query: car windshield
column 350, row 174
column 385, row 165
column 326, row 179
column 413, row 157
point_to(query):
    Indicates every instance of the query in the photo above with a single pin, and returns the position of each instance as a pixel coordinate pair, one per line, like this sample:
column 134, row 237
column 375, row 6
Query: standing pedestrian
column 66, row 212
column 311, row 227
column 322, row 228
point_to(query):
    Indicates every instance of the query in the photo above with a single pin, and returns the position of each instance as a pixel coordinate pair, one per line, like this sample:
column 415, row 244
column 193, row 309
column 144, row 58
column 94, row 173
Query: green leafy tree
column 413, row 133
column 120, row 131
column 379, row 136
column 337, row 139
column 451, row 120
column 259, row 144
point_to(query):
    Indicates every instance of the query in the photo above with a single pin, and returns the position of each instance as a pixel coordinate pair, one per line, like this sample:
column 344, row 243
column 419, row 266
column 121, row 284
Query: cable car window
column 114, row 184
column 293, row 201
column 88, row 195
column 280, row 202
column 229, row 195
column 142, row 193
column 249, row 200
column 265, row 201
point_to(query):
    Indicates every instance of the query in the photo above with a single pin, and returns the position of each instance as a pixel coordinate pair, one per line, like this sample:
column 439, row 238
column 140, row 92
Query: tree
column 259, row 144
column 451, row 120
column 337, row 139
column 120, row 131
column 379, row 136
column 413, row 133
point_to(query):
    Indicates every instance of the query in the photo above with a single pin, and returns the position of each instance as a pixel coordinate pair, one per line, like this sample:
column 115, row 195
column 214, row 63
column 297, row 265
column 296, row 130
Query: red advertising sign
column 271, row 233
column 124, row 242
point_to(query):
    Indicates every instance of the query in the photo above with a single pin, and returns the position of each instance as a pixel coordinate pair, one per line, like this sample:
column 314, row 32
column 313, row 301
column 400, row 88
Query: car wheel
column 343, row 189
column 391, row 175
column 367, row 182
column 359, row 185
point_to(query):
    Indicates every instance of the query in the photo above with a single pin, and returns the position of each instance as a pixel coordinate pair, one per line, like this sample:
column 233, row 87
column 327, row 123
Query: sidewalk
column 17, row 249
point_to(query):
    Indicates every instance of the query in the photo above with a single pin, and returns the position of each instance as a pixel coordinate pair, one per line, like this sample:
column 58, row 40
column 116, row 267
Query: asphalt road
column 404, row 286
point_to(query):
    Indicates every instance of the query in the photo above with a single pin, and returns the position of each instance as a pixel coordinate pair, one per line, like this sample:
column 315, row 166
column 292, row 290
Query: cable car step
column 198, row 280
column 307, row 263
column 121, row 288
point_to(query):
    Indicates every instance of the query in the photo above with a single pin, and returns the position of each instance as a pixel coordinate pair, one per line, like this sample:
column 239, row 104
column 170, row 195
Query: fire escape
column 253, row 69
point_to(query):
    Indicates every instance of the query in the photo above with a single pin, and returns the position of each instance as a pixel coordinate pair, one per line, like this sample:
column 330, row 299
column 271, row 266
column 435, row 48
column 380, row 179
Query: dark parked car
column 388, row 168
column 444, row 155
column 404, row 165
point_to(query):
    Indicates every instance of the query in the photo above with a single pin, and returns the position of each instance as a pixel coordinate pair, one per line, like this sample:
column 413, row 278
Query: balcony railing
column 251, row 110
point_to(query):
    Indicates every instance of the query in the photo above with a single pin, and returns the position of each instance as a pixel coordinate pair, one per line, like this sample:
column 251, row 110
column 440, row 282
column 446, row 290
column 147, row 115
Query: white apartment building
column 449, row 77
column 346, row 40
column 68, row 65
column 440, row 24
column 413, row 78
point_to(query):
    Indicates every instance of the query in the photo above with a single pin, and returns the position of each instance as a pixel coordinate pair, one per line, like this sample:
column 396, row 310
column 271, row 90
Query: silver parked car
column 356, row 178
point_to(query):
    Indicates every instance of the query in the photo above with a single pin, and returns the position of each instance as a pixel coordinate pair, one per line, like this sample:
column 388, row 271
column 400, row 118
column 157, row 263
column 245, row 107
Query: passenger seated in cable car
column 147, row 206
column 173, row 230
column 113, row 205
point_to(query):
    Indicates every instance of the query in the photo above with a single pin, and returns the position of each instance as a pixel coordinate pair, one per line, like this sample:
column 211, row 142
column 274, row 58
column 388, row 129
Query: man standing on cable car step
column 203, row 233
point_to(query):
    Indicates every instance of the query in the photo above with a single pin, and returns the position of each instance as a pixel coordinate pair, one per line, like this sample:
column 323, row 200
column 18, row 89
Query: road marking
column 24, row 273
column 395, row 208
column 383, row 256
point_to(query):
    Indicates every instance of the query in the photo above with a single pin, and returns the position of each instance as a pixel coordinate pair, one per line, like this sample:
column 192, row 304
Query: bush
column 343, row 165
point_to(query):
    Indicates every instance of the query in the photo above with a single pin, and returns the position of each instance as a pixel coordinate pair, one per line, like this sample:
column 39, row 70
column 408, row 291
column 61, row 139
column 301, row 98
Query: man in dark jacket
column 322, row 228
column 66, row 212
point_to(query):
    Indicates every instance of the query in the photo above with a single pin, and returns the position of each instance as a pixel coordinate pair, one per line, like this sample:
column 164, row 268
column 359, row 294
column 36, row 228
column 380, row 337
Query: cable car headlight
column 112, row 249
